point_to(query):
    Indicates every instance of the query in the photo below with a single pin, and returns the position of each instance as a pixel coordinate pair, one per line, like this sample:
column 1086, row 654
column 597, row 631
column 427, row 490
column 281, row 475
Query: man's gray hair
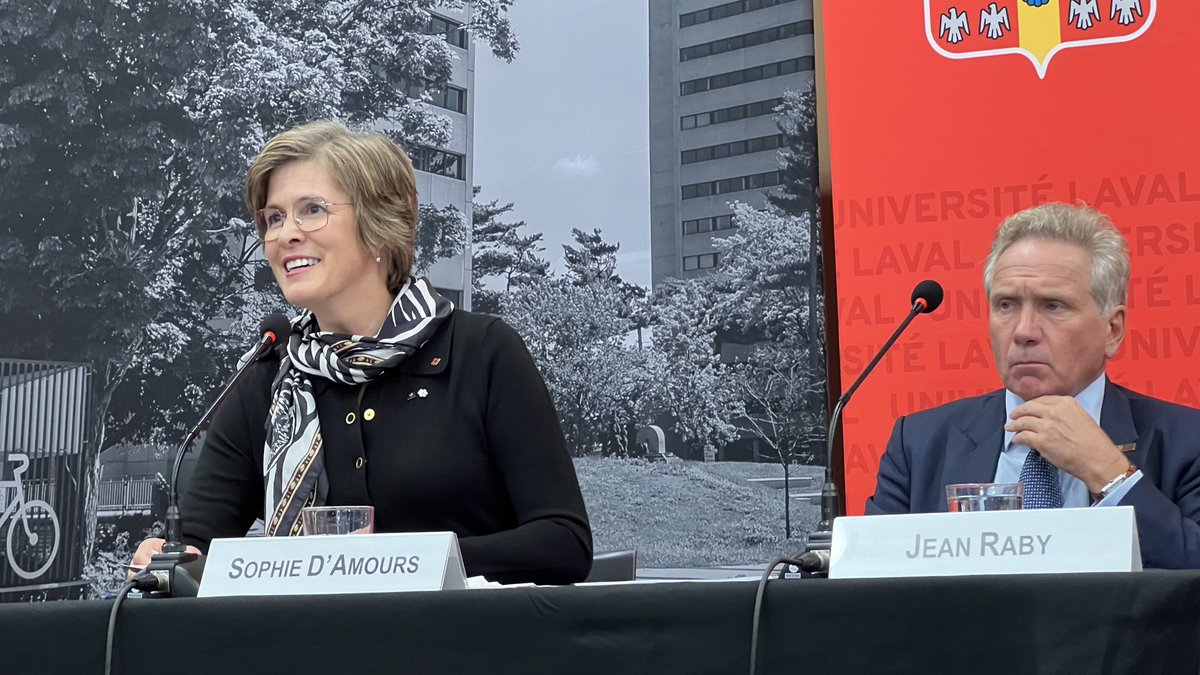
column 1080, row 225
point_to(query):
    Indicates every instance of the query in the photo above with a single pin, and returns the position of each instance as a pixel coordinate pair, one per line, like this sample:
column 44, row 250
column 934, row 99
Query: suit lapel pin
column 422, row 393
column 435, row 361
column 1126, row 447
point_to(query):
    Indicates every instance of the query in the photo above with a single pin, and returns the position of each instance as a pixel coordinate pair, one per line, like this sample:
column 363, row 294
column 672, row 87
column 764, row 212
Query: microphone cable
column 758, row 599
column 143, row 581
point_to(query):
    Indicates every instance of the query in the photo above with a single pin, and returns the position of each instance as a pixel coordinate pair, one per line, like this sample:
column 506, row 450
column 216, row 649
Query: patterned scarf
column 293, row 462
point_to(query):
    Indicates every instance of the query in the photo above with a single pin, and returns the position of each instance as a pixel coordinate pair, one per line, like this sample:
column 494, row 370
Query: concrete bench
column 776, row 482
column 803, row 488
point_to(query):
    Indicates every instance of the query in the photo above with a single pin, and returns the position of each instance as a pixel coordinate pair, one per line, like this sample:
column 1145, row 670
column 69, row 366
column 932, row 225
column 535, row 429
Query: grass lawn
column 690, row 514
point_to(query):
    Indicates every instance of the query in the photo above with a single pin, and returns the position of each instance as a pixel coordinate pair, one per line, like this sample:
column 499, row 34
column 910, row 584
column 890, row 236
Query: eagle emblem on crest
column 1035, row 29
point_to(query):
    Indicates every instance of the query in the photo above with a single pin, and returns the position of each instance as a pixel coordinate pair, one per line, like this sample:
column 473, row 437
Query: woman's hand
column 147, row 550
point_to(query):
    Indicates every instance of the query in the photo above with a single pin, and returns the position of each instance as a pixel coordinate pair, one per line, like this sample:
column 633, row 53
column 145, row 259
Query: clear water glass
column 985, row 496
column 338, row 519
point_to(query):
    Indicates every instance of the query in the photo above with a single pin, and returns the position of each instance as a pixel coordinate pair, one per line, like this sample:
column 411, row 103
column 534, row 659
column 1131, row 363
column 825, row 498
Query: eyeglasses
column 309, row 215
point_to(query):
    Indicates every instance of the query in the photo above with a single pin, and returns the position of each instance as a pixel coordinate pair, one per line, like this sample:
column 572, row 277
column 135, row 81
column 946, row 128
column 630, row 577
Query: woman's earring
column 378, row 258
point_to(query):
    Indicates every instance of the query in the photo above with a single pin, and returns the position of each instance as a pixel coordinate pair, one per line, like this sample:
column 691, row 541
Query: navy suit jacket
column 960, row 442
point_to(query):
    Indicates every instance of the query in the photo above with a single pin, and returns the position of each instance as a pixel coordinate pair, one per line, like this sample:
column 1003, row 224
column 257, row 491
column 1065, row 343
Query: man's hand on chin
column 1060, row 429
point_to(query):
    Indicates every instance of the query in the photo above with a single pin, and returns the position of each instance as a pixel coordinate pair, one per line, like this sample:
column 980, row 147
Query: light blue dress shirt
column 1074, row 491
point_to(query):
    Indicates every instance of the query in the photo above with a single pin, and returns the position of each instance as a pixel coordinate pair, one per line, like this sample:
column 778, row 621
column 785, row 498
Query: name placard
column 325, row 565
column 1102, row 539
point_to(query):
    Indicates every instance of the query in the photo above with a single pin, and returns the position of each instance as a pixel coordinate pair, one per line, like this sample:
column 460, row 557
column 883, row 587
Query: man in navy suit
column 1056, row 279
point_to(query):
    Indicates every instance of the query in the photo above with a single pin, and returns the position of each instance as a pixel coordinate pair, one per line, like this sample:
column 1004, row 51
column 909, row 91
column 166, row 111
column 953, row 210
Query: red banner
column 947, row 116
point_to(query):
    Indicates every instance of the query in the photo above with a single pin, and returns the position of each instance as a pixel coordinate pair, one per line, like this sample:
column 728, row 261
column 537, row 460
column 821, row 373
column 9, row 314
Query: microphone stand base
column 169, row 567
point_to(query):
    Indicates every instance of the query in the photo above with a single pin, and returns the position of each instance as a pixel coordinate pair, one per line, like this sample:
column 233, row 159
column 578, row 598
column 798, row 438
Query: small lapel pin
column 1126, row 447
column 422, row 393
column 435, row 361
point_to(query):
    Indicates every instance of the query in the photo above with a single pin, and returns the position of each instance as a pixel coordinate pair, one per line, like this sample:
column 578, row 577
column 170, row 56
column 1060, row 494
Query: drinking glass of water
column 985, row 496
column 338, row 519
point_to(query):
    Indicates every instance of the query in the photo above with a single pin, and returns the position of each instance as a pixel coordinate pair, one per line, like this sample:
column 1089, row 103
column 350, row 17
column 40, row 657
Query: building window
column 726, row 185
column 731, row 114
column 440, row 162
column 710, row 224
column 450, row 98
column 736, row 77
column 699, row 262
column 736, row 42
column 447, row 96
column 732, row 149
column 448, row 28
column 724, row 10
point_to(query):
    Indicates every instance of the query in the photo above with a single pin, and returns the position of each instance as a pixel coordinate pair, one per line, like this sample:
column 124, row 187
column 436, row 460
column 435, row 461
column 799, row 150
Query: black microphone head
column 930, row 294
column 276, row 326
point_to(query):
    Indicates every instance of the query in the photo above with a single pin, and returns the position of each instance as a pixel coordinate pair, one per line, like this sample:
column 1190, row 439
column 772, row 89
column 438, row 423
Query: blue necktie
column 1042, row 489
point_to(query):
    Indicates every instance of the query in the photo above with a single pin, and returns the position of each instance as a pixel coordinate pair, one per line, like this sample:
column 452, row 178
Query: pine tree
column 594, row 260
column 500, row 252
column 797, row 119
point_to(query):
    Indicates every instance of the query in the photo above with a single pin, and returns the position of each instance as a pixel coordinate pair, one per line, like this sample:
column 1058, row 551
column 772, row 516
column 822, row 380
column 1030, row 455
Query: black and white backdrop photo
column 630, row 184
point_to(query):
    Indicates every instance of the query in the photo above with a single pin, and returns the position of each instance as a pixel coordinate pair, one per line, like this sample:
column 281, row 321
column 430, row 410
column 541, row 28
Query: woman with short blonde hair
column 386, row 394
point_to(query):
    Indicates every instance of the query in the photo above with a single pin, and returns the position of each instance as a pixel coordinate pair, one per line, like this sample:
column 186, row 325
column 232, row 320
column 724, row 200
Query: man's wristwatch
column 1113, row 484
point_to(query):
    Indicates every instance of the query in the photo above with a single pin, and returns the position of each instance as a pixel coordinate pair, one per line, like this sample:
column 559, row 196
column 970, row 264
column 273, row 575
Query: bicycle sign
column 33, row 533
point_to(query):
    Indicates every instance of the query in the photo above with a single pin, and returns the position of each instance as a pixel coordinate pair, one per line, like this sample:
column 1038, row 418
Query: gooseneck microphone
column 160, row 578
column 926, row 297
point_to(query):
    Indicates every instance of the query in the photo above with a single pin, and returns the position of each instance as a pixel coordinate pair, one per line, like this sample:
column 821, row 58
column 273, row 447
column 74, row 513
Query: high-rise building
column 718, row 69
column 444, row 174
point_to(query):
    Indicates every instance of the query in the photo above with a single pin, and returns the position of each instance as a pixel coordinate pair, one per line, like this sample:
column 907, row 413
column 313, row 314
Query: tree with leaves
column 125, row 140
column 441, row 234
column 96, row 265
column 764, row 267
column 777, row 390
column 699, row 391
column 577, row 337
